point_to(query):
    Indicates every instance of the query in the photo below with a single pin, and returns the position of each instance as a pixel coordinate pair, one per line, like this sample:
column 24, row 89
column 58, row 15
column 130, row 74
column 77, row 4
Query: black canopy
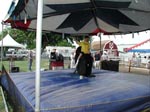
column 84, row 16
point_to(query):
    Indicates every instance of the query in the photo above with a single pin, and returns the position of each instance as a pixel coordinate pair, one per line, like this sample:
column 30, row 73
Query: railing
column 4, row 101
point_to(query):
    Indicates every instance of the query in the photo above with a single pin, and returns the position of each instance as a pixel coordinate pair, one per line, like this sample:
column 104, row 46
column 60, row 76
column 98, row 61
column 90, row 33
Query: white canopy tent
column 8, row 41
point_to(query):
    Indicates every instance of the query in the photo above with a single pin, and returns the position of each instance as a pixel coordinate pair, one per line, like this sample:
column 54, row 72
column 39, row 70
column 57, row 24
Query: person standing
column 72, row 60
column 97, row 57
column 139, row 60
column 53, row 57
column 85, row 59
column 77, row 53
column 134, row 60
column 148, row 64
column 30, row 60
column 104, row 56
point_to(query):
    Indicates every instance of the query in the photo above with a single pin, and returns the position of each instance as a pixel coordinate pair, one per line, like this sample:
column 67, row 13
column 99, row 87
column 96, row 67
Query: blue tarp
column 63, row 91
column 140, row 50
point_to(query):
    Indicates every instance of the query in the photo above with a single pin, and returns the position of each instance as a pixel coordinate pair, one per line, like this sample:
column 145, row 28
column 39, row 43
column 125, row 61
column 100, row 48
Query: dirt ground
column 124, row 67
column 137, row 70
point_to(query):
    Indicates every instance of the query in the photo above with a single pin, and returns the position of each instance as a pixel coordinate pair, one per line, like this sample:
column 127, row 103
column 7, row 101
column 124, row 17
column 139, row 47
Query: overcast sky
column 128, row 38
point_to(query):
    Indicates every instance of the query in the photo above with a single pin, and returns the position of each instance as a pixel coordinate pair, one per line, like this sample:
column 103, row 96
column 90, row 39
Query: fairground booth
column 111, row 50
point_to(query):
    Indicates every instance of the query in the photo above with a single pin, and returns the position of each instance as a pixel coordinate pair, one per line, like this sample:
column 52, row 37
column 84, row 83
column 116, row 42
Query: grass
column 2, row 107
column 23, row 65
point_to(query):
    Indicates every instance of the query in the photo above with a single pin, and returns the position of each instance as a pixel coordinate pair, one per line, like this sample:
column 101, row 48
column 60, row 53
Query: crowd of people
column 136, row 60
column 82, row 60
column 85, row 60
column 96, row 56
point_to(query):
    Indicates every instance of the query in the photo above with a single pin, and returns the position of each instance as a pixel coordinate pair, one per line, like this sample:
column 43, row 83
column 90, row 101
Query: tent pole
column 63, row 35
column 100, row 37
column 100, row 48
column 2, row 46
column 100, row 42
column 38, row 54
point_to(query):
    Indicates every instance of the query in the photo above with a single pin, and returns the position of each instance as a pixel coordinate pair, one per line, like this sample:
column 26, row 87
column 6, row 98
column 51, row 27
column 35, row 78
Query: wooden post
column 129, row 65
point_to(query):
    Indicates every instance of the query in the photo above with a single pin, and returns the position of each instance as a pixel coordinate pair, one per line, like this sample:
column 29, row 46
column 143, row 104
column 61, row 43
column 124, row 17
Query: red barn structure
column 106, row 45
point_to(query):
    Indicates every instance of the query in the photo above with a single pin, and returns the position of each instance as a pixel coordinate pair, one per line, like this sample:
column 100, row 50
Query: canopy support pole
column 2, row 45
column 38, row 54
column 100, row 44
column 100, row 40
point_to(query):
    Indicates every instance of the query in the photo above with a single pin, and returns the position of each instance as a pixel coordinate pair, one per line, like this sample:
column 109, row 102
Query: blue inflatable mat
column 63, row 91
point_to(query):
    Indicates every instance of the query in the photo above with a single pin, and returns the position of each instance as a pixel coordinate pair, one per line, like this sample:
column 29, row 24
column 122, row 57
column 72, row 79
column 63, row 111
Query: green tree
column 53, row 39
column 29, row 38
column 3, row 34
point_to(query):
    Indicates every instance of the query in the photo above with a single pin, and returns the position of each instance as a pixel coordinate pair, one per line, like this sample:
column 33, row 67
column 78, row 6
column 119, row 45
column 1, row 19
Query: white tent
column 8, row 41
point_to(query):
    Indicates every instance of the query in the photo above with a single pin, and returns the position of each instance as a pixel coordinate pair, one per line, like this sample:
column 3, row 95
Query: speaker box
column 14, row 69
column 110, row 65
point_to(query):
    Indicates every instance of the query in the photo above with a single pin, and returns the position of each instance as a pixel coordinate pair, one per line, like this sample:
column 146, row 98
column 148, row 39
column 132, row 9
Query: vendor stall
column 56, row 60
column 110, row 50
